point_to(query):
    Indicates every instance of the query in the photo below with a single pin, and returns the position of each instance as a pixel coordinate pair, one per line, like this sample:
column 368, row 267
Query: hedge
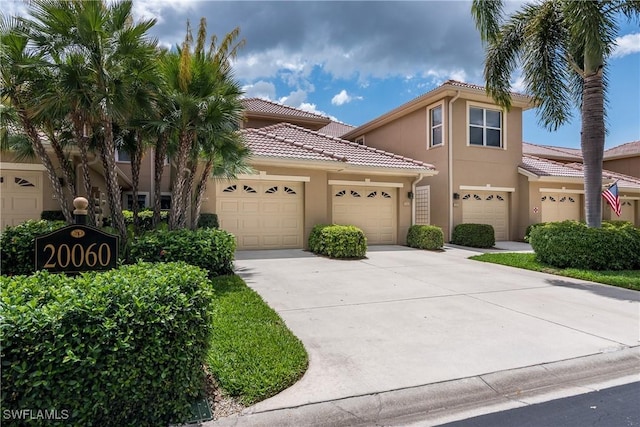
column 571, row 244
column 474, row 235
column 338, row 241
column 208, row 220
column 207, row 248
column 52, row 216
column 425, row 237
column 17, row 245
column 118, row 348
column 145, row 218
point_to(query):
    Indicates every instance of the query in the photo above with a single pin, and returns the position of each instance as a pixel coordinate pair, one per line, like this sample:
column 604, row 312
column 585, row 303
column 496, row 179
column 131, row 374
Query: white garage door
column 262, row 214
column 627, row 211
column 21, row 194
column 560, row 207
column 372, row 209
column 485, row 207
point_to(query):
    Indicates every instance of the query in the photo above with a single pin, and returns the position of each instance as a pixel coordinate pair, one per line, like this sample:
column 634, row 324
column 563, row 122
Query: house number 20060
column 77, row 255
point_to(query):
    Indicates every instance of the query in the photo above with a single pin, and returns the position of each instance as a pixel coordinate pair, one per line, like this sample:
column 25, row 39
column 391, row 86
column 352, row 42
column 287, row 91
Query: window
column 122, row 156
column 435, row 126
column 485, row 127
column 128, row 200
column 165, row 201
column 360, row 140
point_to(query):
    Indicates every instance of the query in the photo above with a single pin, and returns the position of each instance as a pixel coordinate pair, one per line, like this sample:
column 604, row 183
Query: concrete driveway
column 403, row 319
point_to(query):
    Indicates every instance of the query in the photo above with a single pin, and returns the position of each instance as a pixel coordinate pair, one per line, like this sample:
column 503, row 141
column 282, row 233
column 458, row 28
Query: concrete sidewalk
column 385, row 333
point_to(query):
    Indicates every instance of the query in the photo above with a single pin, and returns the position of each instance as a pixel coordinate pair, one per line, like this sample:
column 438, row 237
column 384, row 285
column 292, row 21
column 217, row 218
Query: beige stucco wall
column 318, row 197
column 628, row 166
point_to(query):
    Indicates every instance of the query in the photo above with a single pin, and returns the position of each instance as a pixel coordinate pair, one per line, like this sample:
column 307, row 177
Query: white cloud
column 626, row 45
column 294, row 99
column 343, row 98
column 518, row 85
column 260, row 89
column 153, row 9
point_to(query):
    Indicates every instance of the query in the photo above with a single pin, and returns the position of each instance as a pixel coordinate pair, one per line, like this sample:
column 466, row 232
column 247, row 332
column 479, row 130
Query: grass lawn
column 253, row 354
column 624, row 278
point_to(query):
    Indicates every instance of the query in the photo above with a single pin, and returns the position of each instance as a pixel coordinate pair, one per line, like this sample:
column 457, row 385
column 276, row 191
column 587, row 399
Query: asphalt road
column 612, row 407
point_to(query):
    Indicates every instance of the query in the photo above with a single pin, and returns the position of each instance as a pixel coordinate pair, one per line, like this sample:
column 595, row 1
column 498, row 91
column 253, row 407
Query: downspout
column 450, row 152
column 413, row 199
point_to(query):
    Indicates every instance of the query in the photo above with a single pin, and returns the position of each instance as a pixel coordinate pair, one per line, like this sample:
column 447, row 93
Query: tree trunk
column 83, row 143
column 136, row 162
column 177, row 192
column 202, row 187
column 38, row 148
column 592, row 143
column 160, row 153
column 66, row 166
column 188, row 193
column 108, row 154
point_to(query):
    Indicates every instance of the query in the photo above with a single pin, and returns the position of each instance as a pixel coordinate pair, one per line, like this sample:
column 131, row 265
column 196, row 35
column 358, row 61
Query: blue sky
column 353, row 61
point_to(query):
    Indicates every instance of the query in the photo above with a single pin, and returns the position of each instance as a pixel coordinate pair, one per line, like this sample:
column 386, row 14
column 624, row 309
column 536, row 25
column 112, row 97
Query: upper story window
column 485, row 126
column 360, row 140
column 436, row 126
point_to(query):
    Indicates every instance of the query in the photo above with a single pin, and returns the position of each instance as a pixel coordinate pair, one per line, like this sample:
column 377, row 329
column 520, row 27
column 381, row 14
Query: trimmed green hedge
column 571, row 244
column 474, row 235
column 145, row 218
column 207, row 248
column 119, row 348
column 52, row 216
column 338, row 241
column 425, row 237
column 17, row 245
column 208, row 220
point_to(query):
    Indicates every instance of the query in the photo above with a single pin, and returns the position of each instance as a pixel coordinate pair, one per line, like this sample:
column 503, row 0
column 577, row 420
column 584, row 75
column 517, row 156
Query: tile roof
column 546, row 167
column 336, row 129
column 285, row 140
column 624, row 150
column 457, row 83
column 552, row 152
column 259, row 105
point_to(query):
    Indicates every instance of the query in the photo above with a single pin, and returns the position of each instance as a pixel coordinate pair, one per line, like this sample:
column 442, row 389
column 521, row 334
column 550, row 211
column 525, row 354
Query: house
column 449, row 156
column 486, row 173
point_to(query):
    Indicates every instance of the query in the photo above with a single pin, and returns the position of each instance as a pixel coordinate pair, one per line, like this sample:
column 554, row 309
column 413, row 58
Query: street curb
column 437, row 403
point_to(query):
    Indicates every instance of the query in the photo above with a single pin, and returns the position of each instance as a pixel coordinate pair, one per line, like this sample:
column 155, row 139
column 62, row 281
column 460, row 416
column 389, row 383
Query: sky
column 353, row 61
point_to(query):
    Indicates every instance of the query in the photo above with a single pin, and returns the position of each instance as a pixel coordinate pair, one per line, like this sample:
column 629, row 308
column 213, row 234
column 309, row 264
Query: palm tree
column 563, row 46
column 20, row 69
column 204, row 106
column 108, row 47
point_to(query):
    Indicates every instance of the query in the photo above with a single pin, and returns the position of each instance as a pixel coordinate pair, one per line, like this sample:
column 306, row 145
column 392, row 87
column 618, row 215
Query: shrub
column 145, row 218
column 474, row 235
column 338, row 241
column 530, row 227
column 52, row 216
column 425, row 237
column 206, row 248
column 208, row 220
column 18, row 247
column 123, row 347
column 571, row 244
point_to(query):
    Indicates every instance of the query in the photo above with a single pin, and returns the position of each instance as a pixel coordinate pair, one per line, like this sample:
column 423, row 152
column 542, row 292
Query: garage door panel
column 370, row 209
column 21, row 196
column 482, row 207
column 559, row 207
column 270, row 214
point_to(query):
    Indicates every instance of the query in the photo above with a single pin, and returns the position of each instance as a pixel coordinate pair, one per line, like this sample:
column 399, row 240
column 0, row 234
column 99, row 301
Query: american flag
column 611, row 196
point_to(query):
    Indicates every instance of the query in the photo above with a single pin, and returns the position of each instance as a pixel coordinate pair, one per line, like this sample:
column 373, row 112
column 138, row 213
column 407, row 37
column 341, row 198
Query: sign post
column 77, row 248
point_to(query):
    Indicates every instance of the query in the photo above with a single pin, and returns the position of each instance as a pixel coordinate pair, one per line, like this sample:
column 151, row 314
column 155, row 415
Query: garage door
column 21, row 194
column 627, row 211
column 485, row 207
column 370, row 209
column 559, row 207
column 262, row 214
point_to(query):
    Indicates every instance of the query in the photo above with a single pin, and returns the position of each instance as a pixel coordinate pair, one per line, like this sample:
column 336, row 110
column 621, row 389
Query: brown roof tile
column 336, row 129
column 548, row 151
column 259, row 105
column 624, row 150
column 285, row 140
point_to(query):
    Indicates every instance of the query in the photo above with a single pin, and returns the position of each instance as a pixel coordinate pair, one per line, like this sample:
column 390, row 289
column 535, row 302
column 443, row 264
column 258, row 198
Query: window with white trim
column 436, row 126
column 485, row 126
column 122, row 156
column 360, row 140
column 128, row 200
